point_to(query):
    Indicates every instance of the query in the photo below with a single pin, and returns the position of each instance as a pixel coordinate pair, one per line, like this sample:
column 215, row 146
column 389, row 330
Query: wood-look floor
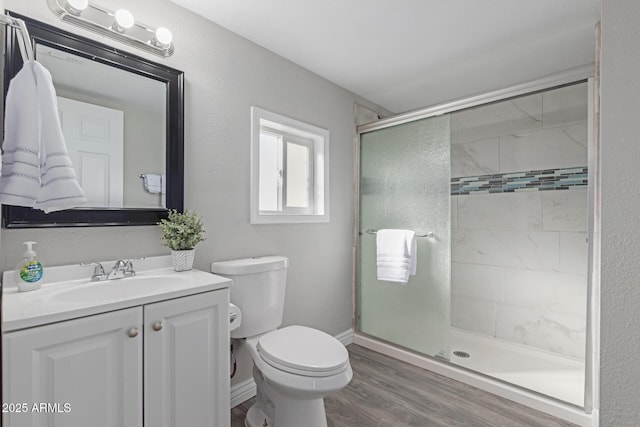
column 386, row 392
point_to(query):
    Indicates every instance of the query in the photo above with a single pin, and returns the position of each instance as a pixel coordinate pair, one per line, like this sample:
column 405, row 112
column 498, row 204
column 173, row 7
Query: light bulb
column 163, row 36
column 124, row 20
column 75, row 7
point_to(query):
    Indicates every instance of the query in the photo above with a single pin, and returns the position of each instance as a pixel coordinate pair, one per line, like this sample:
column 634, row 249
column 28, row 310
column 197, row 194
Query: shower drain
column 461, row 353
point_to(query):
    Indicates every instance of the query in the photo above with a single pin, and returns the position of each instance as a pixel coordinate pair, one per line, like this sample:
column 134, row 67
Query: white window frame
column 296, row 132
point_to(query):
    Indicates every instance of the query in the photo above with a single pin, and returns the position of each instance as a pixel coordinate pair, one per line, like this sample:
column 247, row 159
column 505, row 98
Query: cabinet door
column 78, row 373
column 187, row 361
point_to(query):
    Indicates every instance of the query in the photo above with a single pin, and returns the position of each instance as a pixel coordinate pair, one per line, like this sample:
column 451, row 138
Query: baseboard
column 595, row 418
column 245, row 390
column 242, row 392
column 345, row 337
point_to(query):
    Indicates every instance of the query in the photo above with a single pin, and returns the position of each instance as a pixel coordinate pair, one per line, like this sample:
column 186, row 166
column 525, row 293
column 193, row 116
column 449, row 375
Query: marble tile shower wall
column 519, row 260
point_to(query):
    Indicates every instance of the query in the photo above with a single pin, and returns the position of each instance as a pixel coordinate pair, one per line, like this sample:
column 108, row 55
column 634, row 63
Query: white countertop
column 56, row 301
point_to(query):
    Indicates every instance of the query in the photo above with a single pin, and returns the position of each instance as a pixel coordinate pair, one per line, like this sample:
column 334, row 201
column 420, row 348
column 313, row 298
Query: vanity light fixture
column 163, row 37
column 75, row 7
column 123, row 20
column 119, row 25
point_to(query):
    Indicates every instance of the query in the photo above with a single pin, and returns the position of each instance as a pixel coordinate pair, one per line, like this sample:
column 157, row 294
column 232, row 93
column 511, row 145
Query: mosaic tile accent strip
column 537, row 180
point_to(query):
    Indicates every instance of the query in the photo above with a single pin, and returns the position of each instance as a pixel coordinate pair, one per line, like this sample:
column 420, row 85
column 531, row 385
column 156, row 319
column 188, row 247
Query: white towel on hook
column 59, row 188
column 396, row 255
column 20, row 172
column 36, row 170
column 20, row 175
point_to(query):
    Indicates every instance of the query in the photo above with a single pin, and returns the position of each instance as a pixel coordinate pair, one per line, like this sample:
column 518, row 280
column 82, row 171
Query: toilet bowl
column 294, row 367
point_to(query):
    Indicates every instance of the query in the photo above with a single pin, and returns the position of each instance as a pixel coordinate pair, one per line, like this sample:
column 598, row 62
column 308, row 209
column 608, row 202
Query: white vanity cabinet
column 161, row 364
column 186, row 370
column 89, row 370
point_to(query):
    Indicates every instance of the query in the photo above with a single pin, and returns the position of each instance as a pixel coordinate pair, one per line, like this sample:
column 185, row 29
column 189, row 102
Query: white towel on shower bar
column 396, row 255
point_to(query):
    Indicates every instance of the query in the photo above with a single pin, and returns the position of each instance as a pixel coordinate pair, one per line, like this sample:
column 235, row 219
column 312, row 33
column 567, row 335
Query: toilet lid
column 304, row 351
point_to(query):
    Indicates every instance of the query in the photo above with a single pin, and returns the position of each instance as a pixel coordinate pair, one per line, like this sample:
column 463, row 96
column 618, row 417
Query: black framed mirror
column 154, row 97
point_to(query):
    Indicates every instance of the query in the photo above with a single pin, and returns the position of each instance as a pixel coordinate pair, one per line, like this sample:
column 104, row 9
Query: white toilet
column 294, row 367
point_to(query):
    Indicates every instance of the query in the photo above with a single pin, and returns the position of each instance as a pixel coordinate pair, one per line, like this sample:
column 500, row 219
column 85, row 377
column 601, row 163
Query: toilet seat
column 303, row 351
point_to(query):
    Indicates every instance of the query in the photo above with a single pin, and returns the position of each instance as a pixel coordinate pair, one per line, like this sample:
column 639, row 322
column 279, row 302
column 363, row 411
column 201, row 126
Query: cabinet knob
column 157, row 325
column 133, row 332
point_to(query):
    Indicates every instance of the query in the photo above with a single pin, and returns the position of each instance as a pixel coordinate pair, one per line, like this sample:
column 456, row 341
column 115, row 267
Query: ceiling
column 408, row 54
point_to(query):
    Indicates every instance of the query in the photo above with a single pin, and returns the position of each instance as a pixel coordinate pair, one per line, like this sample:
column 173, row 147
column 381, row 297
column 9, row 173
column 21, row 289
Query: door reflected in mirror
column 114, row 125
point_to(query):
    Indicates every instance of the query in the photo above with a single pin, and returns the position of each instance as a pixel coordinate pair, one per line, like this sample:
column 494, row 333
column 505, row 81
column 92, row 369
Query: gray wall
column 225, row 75
column 620, row 147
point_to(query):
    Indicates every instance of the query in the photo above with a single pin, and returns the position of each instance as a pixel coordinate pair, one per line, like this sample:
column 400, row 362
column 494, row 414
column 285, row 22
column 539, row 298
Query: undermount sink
column 116, row 289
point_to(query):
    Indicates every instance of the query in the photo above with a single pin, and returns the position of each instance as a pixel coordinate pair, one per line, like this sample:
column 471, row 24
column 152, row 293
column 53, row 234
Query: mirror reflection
column 115, row 128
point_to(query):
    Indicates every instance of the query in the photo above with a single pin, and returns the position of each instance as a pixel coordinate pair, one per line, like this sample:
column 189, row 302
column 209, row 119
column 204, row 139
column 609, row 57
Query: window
column 289, row 170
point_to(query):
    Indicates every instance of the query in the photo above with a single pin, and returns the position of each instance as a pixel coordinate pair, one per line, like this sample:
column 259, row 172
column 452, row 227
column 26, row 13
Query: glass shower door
column 405, row 184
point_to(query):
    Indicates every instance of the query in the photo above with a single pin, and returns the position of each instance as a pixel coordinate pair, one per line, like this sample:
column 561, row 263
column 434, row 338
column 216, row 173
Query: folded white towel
column 396, row 256
column 36, row 170
column 154, row 183
column 20, row 176
column 59, row 188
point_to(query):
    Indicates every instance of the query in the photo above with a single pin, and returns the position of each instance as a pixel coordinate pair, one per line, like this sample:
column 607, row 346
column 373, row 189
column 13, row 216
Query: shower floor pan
column 541, row 371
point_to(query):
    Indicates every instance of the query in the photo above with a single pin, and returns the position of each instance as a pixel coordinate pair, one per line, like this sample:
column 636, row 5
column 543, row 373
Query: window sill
column 289, row 219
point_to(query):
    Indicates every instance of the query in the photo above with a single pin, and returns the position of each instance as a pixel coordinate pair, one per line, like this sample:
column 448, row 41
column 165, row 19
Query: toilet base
column 273, row 408
column 309, row 414
column 255, row 418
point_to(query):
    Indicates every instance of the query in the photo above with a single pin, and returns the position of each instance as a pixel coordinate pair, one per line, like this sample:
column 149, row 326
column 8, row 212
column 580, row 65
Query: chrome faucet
column 120, row 270
column 98, row 271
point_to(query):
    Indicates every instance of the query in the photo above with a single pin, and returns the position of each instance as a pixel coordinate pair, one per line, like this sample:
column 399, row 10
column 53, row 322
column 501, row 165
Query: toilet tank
column 258, row 290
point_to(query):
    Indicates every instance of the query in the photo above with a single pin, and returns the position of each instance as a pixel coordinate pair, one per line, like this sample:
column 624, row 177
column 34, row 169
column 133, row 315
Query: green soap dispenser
column 29, row 272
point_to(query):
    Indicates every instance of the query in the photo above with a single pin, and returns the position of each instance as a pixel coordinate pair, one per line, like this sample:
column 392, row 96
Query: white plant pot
column 183, row 260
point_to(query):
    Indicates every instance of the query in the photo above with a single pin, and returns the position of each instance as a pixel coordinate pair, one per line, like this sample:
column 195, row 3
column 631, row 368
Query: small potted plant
column 181, row 232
